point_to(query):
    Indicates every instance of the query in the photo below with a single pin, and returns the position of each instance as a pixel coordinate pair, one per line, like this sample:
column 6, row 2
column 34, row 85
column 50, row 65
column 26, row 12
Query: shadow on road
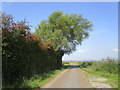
column 73, row 66
column 70, row 66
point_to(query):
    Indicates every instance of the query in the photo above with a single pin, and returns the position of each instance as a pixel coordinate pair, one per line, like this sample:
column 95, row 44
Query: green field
column 107, row 68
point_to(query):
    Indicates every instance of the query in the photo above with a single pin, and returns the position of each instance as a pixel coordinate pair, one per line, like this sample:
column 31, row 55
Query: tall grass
column 106, row 68
column 38, row 80
column 108, row 65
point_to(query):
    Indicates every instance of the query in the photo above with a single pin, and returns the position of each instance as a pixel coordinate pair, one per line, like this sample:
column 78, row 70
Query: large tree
column 64, row 31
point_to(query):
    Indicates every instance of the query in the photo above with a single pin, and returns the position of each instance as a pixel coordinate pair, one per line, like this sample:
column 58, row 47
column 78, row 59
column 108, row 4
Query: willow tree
column 64, row 31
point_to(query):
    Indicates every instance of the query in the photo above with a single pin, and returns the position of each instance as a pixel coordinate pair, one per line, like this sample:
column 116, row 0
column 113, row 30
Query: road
column 69, row 78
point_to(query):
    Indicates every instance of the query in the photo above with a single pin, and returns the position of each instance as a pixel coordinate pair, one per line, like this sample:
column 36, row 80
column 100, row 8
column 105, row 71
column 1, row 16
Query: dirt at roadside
column 98, row 82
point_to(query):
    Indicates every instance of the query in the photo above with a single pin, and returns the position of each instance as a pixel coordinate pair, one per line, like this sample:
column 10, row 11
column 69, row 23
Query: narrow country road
column 70, row 78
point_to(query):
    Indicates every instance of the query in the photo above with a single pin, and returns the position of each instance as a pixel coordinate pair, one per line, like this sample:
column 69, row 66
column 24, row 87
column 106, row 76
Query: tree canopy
column 64, row 31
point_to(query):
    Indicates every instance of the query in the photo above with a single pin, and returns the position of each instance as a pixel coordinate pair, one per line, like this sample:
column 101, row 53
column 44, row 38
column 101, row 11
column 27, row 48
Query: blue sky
column 103, row 40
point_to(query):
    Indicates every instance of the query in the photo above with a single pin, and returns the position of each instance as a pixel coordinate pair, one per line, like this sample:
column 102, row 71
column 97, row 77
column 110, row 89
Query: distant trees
column 64, row 31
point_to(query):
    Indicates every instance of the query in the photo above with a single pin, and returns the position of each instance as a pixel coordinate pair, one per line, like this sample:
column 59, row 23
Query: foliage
column 64, row 31
column 23, row 54
column 107, row 65
column 38, row 80
column 112, row 79
column 86, row 64
column 65, row 62
column 106, row 68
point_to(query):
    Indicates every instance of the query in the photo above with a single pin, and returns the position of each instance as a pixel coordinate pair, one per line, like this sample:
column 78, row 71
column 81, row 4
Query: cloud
column 116, row 50
column 81, row 51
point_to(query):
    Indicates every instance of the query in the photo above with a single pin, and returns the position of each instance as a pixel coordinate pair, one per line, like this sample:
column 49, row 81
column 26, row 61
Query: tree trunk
column 60, row 54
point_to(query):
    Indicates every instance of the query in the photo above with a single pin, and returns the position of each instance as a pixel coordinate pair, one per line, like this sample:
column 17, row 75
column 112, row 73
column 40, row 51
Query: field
column 106, row 68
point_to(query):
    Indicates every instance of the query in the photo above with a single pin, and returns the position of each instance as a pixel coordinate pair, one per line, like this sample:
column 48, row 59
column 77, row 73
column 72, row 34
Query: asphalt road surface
column 69, row 78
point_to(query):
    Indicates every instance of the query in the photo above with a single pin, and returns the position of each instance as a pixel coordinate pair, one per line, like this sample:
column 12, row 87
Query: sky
column 103, row 40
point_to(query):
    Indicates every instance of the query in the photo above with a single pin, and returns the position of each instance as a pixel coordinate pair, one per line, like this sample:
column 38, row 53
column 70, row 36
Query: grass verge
column 112, row 79
column 39, row 79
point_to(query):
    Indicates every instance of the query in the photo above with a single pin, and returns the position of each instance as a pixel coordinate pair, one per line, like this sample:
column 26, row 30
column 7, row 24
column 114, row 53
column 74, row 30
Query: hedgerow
column 23, row 53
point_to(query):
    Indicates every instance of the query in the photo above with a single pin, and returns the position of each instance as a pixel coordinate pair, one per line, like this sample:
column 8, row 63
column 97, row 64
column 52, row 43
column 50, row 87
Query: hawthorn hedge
column 24, row 54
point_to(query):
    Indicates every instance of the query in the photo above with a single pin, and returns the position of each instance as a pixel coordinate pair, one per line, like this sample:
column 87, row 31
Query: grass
column 38, row 80
column 112, row 79
column 105, row 68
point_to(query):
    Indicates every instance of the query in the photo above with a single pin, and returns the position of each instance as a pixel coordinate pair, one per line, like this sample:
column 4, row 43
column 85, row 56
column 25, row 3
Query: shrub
column 24, row 54
column 108, row 65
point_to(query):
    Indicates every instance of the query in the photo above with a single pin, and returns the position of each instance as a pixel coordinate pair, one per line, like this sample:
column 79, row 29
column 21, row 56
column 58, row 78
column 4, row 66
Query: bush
column 65, row 62
column 108, row 65
column 24, row 54
column 85, row 64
